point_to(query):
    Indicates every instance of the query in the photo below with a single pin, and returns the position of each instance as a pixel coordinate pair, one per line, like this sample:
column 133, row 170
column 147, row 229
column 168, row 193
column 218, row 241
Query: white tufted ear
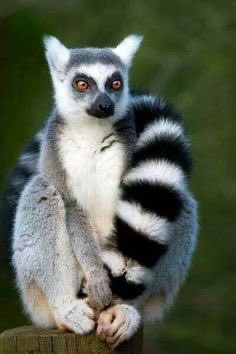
column 127, row 48
column 57, row 55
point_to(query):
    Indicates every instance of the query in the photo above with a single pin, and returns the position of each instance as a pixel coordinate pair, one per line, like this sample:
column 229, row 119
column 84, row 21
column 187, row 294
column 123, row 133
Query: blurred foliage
column 187, row 56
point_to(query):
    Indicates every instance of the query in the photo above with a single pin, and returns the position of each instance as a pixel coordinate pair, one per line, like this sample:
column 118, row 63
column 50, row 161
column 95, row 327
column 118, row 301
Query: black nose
column 103, row 107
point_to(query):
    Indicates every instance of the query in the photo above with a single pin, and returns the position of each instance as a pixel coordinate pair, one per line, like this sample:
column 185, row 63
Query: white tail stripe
column 156, row 172
column 153, row 226
column 156, row 129
column 139, row 274
column 145, row 99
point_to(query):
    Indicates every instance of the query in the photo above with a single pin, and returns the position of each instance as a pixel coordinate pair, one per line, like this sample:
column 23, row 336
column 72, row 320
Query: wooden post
column 32, row 340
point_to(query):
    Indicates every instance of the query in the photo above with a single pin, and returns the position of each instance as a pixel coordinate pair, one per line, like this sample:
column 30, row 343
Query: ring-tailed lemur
column 106, row 183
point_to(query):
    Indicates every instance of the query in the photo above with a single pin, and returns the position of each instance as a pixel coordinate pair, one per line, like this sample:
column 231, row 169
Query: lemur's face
column 91, row 82
column 99, row 89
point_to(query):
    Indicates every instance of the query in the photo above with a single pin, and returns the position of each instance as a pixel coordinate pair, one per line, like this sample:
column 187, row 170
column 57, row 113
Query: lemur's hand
column 98, row 289
column 118, row 324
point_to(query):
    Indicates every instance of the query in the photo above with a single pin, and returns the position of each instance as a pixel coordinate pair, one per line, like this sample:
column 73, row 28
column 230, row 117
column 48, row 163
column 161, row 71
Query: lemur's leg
column 118, row 324
column 46, row 268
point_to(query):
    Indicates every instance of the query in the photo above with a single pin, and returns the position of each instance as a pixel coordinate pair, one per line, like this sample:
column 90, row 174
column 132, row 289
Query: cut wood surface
column 32, row 340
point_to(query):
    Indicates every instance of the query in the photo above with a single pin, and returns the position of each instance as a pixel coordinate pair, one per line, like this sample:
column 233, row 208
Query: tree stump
column 32, row 340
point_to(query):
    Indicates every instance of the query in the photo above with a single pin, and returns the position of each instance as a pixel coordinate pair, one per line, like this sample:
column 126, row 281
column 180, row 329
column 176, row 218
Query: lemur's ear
column 127, row 48
column 57, row 55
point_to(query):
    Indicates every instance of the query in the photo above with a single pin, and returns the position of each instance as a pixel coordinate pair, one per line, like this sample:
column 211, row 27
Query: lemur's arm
column 88, row 254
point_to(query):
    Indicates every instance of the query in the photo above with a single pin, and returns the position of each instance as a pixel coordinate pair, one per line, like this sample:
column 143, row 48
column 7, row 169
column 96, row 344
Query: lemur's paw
column 118, row 324
column 98, row 290
column 115, row 262
column 77, row 317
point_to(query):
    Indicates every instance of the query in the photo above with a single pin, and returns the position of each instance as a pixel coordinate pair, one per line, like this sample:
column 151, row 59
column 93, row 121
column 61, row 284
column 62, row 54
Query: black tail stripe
column 172, row 149
column 21, row 174
column 146, row 111
column 159, row 199
column 135, row 245
column 33, row 147
column 123, row 288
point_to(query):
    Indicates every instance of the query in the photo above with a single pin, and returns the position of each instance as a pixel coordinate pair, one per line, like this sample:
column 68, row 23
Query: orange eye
column 116, row 85
column 81, row 85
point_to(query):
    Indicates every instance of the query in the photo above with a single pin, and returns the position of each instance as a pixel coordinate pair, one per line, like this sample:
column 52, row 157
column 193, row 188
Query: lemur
column 104, row 218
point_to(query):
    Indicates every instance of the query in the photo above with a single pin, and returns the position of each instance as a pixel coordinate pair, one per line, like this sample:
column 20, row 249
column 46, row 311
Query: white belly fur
column 93, row 177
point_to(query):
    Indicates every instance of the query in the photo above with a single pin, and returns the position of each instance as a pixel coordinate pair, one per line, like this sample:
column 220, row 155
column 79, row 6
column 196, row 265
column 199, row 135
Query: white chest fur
column 93, row 170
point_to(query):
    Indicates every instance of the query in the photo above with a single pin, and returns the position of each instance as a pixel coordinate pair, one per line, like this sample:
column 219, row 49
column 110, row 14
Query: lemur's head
column 91, row 81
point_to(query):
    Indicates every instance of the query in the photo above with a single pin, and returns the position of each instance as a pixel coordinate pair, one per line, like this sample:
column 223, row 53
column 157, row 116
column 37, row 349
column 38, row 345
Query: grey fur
column 49, row 163
column 86, row 56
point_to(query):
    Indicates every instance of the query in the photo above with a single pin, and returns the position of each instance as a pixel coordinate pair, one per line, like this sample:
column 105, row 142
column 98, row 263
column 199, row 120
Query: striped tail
column 152, row 190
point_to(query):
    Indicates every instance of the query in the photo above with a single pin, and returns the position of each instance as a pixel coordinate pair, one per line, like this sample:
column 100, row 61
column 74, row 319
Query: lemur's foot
column 78, row 317
column 118, row 324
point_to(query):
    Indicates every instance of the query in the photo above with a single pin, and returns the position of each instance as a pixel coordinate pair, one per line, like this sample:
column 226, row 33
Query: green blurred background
column 187, row 56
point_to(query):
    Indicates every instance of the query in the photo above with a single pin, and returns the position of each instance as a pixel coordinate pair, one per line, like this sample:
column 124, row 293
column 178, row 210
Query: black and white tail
column 151, row 200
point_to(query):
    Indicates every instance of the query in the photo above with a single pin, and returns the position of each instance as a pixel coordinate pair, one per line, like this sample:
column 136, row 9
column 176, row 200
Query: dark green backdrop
column 187, row 56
